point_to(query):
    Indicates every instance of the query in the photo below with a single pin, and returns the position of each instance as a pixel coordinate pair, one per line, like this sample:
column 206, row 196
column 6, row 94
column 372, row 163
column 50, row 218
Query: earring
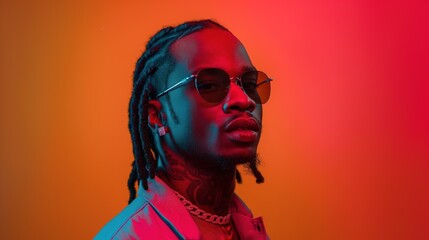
column 162, row 131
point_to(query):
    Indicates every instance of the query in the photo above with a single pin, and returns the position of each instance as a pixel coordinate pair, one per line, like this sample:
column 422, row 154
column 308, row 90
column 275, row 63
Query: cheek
column 207, row 133
column 203, row 123
column 257, row 113
column 205, row 126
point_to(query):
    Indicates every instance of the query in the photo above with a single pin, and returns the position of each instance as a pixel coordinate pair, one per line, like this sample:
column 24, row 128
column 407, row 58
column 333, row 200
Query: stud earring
column 162, row 131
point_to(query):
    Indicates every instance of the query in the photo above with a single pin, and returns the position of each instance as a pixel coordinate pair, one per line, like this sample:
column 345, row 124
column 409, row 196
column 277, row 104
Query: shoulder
column 139, row 220
column 156, row 213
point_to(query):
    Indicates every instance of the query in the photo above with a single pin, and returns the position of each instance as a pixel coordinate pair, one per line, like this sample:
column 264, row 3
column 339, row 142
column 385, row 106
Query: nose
column 237, row 99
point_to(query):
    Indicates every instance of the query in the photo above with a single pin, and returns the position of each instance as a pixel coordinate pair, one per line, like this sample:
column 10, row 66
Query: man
column 195, row 114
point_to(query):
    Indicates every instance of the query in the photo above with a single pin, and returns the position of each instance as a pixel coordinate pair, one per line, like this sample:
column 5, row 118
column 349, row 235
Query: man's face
column 211, row 134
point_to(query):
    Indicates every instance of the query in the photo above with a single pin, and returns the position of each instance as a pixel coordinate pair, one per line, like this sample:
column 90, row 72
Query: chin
column 228, row 157
column 231, row 161
column 240, row 156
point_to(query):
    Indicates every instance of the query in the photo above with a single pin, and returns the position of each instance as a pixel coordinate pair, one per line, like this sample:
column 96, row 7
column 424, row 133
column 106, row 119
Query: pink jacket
column 158, row 214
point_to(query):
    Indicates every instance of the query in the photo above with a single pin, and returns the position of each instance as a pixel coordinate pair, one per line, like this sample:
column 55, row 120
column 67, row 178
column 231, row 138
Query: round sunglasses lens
column 257, row 86
column 212, row 84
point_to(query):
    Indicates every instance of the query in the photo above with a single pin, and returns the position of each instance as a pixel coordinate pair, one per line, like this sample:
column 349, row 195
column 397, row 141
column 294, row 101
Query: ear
column 154, row 110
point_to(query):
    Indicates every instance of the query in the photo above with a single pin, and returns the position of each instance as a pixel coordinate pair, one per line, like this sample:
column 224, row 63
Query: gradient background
column 345, row 147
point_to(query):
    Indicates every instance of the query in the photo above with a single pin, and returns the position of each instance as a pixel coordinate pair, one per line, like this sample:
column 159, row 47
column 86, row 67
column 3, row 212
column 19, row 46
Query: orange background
column 345, row 145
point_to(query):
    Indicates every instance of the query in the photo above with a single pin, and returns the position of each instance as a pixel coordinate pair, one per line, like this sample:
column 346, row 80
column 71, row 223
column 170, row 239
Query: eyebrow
column 243, row 69
column 248, row 68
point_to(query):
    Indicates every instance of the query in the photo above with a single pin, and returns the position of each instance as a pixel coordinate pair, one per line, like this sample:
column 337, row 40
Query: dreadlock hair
column 156, row 55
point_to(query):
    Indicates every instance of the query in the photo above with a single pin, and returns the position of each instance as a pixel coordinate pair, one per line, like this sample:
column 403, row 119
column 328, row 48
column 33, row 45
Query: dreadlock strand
column 144, row 132
column 134, row 120
column 142, row 159
column 238, row 176
column 256, row 172
column 131, row 183
column 132, row 179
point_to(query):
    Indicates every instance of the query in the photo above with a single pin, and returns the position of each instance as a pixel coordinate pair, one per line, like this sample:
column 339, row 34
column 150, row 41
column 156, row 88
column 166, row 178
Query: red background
column 345, row 144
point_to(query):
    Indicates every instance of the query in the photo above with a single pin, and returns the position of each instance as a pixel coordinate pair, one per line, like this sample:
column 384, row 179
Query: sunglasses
column 213, row 85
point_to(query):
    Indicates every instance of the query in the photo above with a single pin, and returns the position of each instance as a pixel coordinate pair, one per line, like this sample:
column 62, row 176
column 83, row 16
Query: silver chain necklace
column 208, row 217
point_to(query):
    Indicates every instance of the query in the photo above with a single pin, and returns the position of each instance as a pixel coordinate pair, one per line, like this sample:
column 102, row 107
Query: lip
column 247, row 123
column 243, row 130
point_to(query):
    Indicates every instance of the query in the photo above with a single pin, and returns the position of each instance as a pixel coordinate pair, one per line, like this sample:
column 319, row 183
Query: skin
column 197, row 156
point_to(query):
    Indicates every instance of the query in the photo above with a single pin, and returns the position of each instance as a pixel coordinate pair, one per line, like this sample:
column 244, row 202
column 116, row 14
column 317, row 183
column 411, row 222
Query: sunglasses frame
column 195, row 76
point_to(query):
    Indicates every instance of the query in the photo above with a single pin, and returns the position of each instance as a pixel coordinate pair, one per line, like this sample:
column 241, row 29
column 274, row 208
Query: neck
column 209, row 189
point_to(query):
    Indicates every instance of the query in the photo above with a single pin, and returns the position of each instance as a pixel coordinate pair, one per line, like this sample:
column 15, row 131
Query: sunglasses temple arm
column 178, row 84
column 268, row 80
